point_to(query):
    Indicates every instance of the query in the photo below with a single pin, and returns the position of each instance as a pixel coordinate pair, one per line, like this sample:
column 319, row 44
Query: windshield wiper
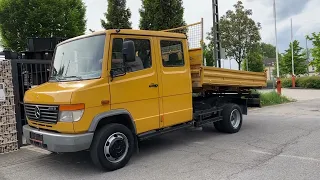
column 54, row 78
column 77, row 77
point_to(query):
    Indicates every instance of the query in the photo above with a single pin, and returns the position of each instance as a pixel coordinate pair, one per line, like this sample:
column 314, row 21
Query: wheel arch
column 242, row 103
column 121, row 116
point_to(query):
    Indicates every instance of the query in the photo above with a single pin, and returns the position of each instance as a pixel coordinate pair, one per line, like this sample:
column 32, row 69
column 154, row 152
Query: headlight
column 71, row 113
column 70, row 116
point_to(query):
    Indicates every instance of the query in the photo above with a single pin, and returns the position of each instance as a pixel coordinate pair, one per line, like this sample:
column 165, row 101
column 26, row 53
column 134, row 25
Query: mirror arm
column 111, row 75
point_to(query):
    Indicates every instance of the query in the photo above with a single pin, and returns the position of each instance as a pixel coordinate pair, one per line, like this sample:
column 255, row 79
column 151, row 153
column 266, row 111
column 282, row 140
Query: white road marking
column 260, row 152
column 287, row 156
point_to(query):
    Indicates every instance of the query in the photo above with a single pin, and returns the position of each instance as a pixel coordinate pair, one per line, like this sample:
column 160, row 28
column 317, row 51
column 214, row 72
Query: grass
column 273, row 98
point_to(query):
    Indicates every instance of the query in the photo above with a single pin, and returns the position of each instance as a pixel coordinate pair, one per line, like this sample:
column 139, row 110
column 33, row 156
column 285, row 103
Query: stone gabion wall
column 8, row 130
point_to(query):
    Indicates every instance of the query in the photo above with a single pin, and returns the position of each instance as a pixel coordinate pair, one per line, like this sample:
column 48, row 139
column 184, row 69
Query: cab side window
column 172, row 53
column 143, row 55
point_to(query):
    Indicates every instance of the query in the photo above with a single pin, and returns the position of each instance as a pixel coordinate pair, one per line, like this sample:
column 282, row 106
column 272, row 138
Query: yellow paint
column 132, row 92
column 195, row 56
column 176, row 91
column 152, row 108
column 213, row 76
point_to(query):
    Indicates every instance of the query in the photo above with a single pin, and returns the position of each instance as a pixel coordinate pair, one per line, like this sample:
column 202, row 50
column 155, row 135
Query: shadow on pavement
column 81, row 162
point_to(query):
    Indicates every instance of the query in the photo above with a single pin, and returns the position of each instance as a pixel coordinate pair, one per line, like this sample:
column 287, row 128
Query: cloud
column 285, row 8
column 305, row 22
column 305, row 15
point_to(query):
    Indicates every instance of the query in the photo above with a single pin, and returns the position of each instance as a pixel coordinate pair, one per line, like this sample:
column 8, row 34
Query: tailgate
column 212, row 76
column 226, row 77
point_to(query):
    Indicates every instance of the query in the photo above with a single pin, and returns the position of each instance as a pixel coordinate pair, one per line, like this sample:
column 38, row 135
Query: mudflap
column 253, row 100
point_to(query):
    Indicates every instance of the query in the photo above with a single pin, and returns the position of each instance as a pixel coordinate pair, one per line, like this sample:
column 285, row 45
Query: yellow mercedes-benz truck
column 112, row 89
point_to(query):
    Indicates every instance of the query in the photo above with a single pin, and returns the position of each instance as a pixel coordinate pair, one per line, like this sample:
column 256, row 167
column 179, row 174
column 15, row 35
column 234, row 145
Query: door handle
column 152, row 85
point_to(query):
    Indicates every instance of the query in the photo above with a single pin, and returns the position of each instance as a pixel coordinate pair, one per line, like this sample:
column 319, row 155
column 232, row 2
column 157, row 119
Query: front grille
column 42, row 113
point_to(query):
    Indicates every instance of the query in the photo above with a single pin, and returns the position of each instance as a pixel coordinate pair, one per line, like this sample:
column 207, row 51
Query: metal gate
column 26, row 74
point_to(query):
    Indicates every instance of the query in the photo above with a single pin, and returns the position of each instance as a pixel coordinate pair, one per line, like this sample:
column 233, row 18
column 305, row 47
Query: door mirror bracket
column 117, row 72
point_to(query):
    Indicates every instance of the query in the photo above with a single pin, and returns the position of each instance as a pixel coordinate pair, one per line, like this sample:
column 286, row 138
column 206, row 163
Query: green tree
column 161, row 15
column 21, row 19
column 300, row 62
column 255, row 62
column 117, row 15
column 268, row 50
column 239, row 32
column 315, row 51
column 208, row 54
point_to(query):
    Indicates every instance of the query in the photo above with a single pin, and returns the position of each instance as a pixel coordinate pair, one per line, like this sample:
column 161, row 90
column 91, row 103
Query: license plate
column 36, row 139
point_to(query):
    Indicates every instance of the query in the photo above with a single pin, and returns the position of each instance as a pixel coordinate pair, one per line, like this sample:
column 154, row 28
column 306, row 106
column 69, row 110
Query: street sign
column 223, row 53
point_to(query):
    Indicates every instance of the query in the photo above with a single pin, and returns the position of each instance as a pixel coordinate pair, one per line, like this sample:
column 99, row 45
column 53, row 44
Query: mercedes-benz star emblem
column 37, row 112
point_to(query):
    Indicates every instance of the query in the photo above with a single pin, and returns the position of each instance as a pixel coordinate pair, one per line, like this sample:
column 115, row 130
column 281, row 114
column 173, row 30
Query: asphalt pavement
column 278, row 142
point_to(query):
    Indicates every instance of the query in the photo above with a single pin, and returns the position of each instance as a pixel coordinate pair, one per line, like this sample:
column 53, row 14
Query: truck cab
column 111, row 89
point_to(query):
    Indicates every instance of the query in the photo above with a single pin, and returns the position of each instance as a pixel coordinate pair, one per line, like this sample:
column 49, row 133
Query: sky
column 304, row 13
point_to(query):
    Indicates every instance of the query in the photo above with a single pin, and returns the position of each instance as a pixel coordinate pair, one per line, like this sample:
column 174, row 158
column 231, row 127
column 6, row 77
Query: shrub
column 286, row 83
column 312, row 82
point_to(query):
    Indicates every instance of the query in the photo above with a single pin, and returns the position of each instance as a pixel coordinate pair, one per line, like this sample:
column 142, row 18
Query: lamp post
column 293, row 75
column 276, row 39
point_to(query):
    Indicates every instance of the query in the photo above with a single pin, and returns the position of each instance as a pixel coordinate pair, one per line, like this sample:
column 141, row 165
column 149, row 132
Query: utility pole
column 292, row 48
column 292, row 59
column 216, row 33
column 276, row 39
column 307, row 49
column 307, row 56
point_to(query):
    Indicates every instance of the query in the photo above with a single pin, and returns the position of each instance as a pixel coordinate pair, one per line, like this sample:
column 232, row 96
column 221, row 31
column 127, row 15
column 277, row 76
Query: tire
column 232, row 119
column 106, row 140
column 218, row 126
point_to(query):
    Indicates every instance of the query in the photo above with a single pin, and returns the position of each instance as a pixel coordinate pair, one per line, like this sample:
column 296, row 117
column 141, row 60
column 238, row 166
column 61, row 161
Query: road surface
column 279, row 142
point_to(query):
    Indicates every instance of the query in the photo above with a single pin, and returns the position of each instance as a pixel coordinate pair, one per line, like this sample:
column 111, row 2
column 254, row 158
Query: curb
column 271, row 106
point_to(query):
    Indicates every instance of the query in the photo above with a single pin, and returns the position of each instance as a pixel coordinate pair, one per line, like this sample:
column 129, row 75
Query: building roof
column 269, row 61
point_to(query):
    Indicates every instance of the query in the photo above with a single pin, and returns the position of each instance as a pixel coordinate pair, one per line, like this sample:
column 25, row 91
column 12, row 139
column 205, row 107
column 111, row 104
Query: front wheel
column 232, row 119
column 112, row 147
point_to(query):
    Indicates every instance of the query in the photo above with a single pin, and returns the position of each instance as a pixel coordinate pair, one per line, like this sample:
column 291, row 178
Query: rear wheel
column 218, row 126
column 232, row 119
column 112, row 147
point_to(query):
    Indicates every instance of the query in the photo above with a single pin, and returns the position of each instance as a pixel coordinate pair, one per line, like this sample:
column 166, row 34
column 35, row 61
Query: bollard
column 279, row 86
column 293, row 81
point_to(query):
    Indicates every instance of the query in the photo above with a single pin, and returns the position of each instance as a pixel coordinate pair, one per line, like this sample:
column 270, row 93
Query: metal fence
column 26, row 74
column 194, row 33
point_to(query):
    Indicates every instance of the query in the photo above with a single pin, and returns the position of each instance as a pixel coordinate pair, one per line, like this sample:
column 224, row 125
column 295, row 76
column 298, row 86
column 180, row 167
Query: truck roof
column 131, row 32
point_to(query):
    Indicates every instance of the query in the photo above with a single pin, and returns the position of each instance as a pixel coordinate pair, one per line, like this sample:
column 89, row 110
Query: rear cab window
column 172, row 53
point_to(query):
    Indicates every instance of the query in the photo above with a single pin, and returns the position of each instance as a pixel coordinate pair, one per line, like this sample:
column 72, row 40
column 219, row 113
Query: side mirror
column 129, row 51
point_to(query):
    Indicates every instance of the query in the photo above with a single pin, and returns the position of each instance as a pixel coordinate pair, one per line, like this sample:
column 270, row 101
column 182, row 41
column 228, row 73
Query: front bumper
column 56, row 142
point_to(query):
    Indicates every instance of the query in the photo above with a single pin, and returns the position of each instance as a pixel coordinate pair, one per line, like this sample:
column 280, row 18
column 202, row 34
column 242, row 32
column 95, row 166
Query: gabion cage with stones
column 8, row 130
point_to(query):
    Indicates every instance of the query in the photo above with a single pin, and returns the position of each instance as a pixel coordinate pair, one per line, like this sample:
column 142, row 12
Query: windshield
column 79, row 59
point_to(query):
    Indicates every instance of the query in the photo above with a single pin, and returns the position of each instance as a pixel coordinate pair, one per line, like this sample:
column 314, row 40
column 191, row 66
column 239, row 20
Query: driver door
column 136, row 90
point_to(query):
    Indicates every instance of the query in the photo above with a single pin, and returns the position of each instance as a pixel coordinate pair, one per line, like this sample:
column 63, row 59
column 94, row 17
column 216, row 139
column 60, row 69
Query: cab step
column 152, row 134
